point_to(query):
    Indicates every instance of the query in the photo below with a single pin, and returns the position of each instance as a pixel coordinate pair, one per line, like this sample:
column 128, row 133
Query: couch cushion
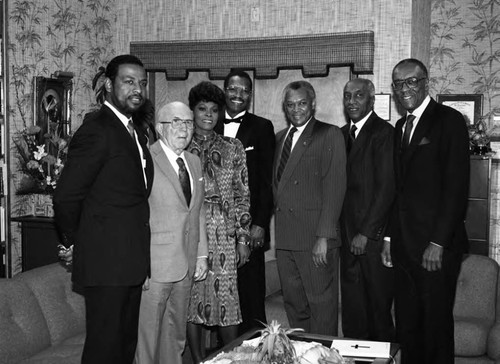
column 23, row 329
column 471, row 336
column 65, row 353
column 477, row 288
column 64, row 309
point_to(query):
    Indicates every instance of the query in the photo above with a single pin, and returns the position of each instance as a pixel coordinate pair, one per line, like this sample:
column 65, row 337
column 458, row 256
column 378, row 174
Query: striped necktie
column 285, row 153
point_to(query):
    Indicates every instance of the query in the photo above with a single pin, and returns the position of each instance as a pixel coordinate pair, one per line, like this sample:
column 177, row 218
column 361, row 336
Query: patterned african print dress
column 215, row 301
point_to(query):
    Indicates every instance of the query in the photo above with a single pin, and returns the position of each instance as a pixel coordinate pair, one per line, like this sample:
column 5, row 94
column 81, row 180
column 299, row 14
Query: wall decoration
column 382, row 106
column 469, row 105
column 52, row 100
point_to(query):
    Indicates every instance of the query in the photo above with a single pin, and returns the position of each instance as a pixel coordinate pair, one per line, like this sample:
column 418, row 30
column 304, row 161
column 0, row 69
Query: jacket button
column 291, row 210
column 295, row 182
column 146, row 224
column 278, row 209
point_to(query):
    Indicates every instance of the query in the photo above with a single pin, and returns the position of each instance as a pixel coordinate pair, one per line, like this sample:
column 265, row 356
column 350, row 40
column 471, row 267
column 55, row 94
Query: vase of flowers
column 41, row 160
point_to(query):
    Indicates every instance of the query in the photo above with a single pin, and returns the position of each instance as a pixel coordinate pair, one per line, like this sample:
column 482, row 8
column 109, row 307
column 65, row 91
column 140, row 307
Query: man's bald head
column 174, row 123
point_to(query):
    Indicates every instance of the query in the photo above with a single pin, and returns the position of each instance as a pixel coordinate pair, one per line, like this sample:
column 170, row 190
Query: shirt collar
column 236, row 116
column 420, row 110
column 169, row 152
column 359, row 124
column 123, row 118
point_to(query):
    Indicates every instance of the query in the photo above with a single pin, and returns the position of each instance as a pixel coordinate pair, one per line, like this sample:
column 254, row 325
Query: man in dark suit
column 257, row 136
column 366, row 284
column 309, row 181
column 101, row 206
column 427, row 231
column 178, row 239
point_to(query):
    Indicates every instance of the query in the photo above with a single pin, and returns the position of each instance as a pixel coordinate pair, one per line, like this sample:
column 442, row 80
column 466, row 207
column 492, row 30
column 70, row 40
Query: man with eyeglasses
column 178, row 239
column 427, row 231
column 257, row 136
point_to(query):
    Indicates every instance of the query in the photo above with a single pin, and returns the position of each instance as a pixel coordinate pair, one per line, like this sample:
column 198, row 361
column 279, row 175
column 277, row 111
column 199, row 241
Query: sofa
column 42, row 318
column 476, row 311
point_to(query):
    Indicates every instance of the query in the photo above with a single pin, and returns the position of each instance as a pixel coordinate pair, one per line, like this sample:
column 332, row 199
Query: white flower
column 40, row 153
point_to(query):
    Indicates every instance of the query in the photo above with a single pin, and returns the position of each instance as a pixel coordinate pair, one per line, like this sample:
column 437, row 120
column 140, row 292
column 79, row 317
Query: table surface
column 323, row 339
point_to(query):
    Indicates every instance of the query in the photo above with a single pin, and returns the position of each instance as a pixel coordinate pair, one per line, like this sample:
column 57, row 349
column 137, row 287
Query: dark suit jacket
column 432, row 180
column 257, row 136
column 370, row 180
column 101, row 203
column 309, row 197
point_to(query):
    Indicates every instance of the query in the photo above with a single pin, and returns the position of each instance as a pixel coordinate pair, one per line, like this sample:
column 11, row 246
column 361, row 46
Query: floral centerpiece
column 479, row 139
column 41, row 158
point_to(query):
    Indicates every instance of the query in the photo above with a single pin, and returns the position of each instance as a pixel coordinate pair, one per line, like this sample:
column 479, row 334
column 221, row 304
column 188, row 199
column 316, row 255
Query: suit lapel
column 421, row 130
column 245, row 129
column 363, row 137
column 194, row 176
column 165, row 167
column 297, row 152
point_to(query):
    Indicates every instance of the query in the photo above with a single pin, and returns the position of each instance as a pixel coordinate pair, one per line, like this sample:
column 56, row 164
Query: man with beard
column 427, row 230
column 309, row 181
column 101, row 206
column 257, row 136
column 367, row 286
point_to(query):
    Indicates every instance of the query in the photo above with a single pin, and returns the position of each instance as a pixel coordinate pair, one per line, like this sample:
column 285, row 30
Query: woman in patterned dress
column 215, row 301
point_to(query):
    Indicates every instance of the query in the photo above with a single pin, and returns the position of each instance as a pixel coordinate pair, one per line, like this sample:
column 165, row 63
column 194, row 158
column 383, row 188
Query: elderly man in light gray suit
column 178, row 239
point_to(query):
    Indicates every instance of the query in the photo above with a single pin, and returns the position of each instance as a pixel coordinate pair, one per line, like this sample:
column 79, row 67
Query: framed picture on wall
column 470, row 105
column 382, row 106
column 51, row 104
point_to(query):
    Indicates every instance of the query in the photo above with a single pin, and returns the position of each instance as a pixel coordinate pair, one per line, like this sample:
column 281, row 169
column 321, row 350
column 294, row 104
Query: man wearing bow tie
column 427, row 230
column 257, row 136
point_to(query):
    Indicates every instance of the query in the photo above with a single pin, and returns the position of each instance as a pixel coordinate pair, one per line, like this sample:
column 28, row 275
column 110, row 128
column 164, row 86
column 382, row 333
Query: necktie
column 184, row 180
column 285, row 153
column 237, row 120
column 352, row 137
column 408, row 128
column 130, row 127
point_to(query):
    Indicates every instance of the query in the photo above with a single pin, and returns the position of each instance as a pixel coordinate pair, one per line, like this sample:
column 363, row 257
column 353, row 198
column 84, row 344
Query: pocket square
column 247, row 149
column 424, row 141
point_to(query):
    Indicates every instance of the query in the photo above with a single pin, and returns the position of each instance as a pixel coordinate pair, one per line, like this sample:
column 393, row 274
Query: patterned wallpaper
column 45, row 36
column 465, row 50
column 465, row 59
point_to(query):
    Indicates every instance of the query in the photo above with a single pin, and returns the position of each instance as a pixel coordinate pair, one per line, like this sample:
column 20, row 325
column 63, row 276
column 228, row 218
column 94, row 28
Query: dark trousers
column 252, row 291
column 310, row 293
column 367, row 288
column 112, row 317
column 424, row 310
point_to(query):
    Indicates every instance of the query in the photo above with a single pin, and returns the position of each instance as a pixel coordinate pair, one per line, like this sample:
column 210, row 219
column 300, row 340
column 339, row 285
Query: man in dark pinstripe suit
column 309, row 181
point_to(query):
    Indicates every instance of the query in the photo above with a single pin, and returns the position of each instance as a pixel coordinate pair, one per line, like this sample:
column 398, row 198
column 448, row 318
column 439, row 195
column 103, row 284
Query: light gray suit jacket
column 178, row 231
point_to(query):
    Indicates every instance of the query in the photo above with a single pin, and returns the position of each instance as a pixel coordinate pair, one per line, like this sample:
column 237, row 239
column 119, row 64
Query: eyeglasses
column 411, row 82
column 177, row 123
column 233, row 90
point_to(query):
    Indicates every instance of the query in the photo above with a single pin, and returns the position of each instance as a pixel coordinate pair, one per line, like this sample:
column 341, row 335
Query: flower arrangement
column 478, row 138
column 41, row 158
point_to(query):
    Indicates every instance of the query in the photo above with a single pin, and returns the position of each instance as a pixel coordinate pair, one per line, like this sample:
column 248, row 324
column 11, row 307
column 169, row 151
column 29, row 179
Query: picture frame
column 470, row 105
column 52, row 103
column 382, row 106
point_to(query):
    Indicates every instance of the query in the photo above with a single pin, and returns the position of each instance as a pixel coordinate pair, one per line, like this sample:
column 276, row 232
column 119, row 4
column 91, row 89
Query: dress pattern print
column 215, row 301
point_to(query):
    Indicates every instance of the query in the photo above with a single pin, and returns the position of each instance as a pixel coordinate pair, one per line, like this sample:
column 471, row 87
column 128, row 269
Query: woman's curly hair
column 206, row 91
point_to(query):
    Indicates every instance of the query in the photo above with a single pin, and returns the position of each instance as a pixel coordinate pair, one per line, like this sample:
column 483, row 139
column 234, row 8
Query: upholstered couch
column 42, row 319
column 477, row 312
column 477, row 309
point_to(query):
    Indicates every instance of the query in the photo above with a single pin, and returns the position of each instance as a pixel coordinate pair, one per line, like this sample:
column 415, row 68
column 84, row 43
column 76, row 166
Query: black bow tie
column 237, row 120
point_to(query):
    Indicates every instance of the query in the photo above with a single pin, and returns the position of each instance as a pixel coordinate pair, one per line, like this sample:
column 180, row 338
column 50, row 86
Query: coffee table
column 322, row 339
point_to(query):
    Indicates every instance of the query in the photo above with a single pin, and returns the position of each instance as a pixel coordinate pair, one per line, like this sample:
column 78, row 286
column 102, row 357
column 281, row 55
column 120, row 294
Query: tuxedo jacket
column 178, row 231
column 257, row 136
column 370, row 180
column 308, row 199
column 101, row 203
column 432, row 179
